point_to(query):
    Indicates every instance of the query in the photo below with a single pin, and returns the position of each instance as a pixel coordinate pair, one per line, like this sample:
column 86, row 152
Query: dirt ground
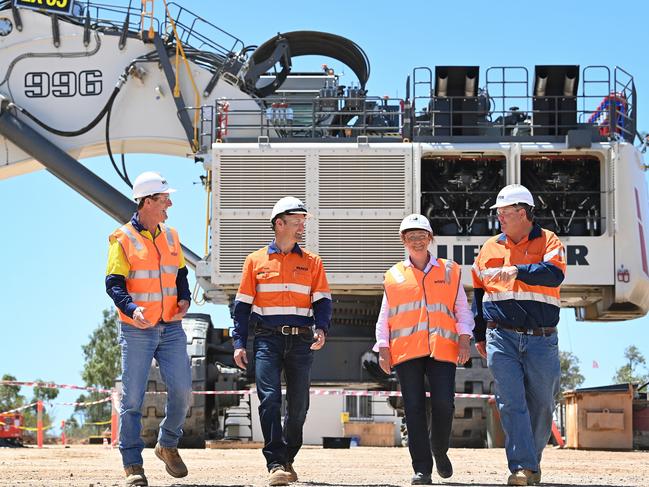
column 363, row 466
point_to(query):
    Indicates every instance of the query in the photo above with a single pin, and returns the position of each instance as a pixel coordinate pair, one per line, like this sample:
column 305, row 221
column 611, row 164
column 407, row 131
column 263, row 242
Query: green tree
column 102, row 365
column 102, row 354
column 571, row 377
column 10, row 397
column 44, row 393
column 630, row 372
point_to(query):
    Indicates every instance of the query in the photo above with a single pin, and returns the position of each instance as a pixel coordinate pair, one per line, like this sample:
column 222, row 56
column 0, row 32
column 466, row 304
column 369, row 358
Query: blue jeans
column 293, row 354
column 441, row 378
column 167, row 343
column 526, row 371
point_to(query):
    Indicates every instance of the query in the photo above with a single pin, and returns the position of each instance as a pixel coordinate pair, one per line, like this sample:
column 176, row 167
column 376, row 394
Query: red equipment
column 10, row 428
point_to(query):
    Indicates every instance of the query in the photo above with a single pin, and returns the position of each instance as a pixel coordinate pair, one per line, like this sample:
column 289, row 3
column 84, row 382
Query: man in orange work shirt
column 284, row 292
column 516, row 279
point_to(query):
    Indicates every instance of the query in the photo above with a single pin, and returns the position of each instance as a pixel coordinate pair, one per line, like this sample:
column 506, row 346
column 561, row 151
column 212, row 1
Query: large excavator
column 81, row 80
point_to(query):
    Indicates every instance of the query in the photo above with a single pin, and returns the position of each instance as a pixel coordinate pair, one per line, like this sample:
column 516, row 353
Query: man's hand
column 504, row 274
column 319, row 337
column 384, row 360
column 241, row 358
column 481, row 347
column 183, row 306
column 464, row 351
column 139, row 321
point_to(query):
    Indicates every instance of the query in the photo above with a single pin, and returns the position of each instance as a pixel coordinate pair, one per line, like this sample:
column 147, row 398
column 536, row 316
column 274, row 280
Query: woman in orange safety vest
column 423, row 330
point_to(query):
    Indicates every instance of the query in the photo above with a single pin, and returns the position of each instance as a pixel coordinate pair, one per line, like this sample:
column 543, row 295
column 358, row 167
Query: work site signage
column 55, row 6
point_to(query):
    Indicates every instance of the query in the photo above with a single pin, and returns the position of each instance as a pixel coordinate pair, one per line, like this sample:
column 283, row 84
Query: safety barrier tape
column 99, row 423
column 329, row 392
column 87, row 403
column 244, row 392
column 51, row 385
column 35, row 429
column 20, row 408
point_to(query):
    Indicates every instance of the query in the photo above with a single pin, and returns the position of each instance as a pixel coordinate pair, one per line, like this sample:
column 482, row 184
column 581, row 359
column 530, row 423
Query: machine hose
column 307, row 43
column 123, row 176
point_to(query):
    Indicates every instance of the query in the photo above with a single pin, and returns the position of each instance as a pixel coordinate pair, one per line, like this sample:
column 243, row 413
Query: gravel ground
column 364, row 466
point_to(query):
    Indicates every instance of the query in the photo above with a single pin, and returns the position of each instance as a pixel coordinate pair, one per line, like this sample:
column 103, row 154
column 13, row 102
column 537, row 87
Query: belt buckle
column 529, row 331
column 287, row 330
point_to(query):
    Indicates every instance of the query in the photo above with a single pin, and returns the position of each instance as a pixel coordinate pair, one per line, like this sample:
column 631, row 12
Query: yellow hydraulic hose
column 180, row 52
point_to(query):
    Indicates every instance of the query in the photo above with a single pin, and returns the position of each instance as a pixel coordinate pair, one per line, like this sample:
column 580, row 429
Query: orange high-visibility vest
column 421, row 314
column 498, row 252
column 151, row 280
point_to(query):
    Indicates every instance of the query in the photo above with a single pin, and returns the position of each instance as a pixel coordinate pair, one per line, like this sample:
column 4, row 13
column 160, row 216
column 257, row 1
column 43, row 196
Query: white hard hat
column 512, row 194
column 288, row 205
column 415, row 222
column 149, row 183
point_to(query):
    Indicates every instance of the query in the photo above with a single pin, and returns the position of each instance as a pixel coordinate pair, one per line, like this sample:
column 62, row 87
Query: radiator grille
column 362, row 181
column 257, row 181
column 238, row 238
column 360, row 246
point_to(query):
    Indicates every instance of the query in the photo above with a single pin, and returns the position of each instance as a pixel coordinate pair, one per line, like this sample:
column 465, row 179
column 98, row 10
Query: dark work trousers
column 441, row 377
column 293, row 354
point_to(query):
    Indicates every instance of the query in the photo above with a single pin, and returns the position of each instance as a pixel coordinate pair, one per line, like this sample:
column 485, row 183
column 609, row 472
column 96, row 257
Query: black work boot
column 444, row 466
column 421, row 479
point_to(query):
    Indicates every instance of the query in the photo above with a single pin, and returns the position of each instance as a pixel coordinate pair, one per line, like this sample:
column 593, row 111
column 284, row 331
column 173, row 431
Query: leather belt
column 537, row 332
column 287, row 330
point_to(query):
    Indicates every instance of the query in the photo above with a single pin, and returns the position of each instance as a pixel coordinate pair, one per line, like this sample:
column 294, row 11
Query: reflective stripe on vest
column 448, row 268
column 169, row 237
column 401, row 332
column 281, row 310
column 244, row 298
column 405, row 307
column 128, row 231
column 144, row 274
column 432, row 308
column 272, row 288
column 318, row 295
column 522, row 296
column 440, row 308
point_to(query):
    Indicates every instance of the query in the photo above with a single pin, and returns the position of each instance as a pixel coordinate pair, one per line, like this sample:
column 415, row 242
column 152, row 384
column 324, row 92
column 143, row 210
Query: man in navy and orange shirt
column 284, row 292
column 516, row 279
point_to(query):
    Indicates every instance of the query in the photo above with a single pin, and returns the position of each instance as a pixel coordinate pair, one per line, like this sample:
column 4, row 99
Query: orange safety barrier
column 557, row 435
column 114, row 420
column 63, row 438
column 39, row 424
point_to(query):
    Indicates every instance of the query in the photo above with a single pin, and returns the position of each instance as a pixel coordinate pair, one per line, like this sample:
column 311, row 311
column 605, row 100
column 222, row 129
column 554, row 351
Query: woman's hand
column 464, row 352
column 384, row 360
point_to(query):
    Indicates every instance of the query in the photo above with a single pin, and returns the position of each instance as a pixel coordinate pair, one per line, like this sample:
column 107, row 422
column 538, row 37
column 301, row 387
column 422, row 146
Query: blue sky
column 54, row 241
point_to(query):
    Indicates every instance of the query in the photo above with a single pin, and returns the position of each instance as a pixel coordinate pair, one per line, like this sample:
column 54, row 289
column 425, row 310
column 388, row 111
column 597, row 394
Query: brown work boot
column 173, row 463
column 535, row 478
column 291, row 472
column 279, row 476
column 520, row 477
column 135, row 476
